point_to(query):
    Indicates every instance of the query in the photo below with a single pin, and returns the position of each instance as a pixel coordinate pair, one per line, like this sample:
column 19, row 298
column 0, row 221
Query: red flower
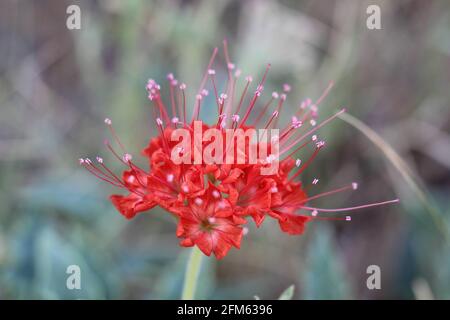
column 212, row 199
column 207, row 222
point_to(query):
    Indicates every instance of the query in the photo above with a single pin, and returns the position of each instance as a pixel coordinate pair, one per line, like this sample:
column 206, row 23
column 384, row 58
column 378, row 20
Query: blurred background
column 57, row 85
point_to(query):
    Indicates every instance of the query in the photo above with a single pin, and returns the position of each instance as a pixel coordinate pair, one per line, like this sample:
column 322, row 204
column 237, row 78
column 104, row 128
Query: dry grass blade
column 407, row 174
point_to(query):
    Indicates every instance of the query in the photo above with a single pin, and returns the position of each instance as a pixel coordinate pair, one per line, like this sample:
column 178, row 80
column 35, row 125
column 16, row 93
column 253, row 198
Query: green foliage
column 324, row 275
column 287, row 294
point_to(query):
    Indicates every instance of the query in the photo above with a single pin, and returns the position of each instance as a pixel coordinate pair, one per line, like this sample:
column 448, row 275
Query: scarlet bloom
column 212, row 201
column 208, row 223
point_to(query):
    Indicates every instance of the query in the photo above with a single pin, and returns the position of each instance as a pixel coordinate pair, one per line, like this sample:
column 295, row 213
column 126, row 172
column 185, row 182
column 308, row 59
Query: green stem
column 191, row 274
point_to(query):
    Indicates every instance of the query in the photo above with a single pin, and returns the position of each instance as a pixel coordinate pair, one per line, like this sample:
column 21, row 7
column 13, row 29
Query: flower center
column 208, row 224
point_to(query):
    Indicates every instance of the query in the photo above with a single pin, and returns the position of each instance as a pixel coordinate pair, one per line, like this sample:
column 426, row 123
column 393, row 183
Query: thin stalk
column 191, row 274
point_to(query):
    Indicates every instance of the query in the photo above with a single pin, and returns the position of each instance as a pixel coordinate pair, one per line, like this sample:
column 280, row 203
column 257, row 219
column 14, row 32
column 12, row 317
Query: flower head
column 214, row 177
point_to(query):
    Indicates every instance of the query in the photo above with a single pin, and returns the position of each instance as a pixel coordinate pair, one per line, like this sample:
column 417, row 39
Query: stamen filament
column 352, row 208
column 327, row 193
column 263, row 112
column 305, row 165
column 241, row 100
column 320, row 125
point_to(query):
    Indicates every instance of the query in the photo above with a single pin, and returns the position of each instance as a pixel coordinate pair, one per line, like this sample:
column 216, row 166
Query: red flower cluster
column 212, row 202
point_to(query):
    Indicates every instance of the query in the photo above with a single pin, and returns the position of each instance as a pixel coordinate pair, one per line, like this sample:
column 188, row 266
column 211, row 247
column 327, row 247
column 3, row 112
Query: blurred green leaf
column 323, row 276
column 288, row 293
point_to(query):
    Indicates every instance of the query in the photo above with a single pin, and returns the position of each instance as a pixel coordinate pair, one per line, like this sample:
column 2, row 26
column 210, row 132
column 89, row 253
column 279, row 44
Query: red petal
column 132, row 204
column 293, row 224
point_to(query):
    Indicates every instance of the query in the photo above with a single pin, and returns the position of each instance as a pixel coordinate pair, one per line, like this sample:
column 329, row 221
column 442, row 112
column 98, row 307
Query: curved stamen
column 172, row 98
column 263, row 111
column 280, row 107
column 305, row 165
column 256, row 95
column 325, row 93
column 296, row 149
column 320, row 125
column 249, row 80
column 182, row 88
column 212, row 74
column 113, row 133
column 351, row 208
column 89, row 168
column 328, row 193
column 205, row 76
column 274, row 115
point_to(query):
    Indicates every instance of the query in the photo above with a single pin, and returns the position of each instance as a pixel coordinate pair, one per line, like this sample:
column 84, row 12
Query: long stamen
column 264, row 110
column 136, row 168
column 127, row 160
column 172, row 84
column 249, row 80
column 212, row 74
column 351, row 208
column 113, row 179
column 109, row 176
column 346, row 218
column 108, row 145
column 88, row 165
column 251, row 105
column 297, row 125
column 274, row 115
column 205, row 77
column 222, row 99
column 136, row 175
column 313, row 107
column 230, row 103
column 160, row 126
column 258, row 91
column 325, row 93
column 198, row 106
column 303, row 105
column 296, row 149
column 183, row 88
column 279, row 107
column 108, row 122
column 231, row 82
column 102, row 178
column 108, row 170
column 162, row 109
column 328, row 193
column 305, row 165
column 126, row 157
column 315, row 129
column 285, row 133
